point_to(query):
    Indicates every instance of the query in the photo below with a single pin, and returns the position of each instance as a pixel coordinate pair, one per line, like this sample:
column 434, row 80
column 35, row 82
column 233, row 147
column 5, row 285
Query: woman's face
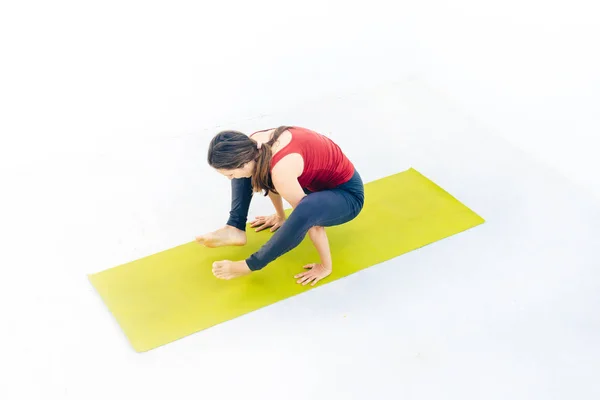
column 244, row 172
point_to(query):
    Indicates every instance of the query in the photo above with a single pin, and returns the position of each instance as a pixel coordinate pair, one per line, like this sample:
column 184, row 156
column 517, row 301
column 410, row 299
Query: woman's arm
column 278, row 204
column 285, row 178
column 319, row 238
column 286, row 181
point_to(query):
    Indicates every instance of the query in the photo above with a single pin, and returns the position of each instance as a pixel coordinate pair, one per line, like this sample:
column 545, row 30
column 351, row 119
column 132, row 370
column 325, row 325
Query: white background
column 106, row 109
column 77, row 74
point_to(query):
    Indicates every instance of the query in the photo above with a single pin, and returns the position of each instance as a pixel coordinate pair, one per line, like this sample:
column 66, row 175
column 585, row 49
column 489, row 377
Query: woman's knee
column 316, row 229
column 305, row 215
column 321, row 209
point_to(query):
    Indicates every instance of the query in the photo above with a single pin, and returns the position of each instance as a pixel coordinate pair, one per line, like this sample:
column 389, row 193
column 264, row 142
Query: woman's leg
column 234, row 232
column 241, row 196
column 326, row 208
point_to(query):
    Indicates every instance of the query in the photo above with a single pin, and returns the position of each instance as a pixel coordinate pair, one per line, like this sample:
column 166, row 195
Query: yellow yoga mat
column 169, row 295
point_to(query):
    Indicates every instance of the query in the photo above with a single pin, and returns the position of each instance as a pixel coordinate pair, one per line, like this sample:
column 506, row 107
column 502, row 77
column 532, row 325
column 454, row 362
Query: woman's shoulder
column 289, row 166
column 282, row 142
column 265, row 133
column 287, row 156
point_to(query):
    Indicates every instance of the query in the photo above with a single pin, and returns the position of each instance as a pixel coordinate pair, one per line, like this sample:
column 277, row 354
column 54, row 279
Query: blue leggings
column 323, row 208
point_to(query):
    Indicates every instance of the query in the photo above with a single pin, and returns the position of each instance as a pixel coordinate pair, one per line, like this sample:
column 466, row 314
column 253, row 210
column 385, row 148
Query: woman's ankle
column 234, row 228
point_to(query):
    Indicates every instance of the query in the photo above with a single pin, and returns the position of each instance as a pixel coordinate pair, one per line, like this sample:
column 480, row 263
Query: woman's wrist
column 278, row 204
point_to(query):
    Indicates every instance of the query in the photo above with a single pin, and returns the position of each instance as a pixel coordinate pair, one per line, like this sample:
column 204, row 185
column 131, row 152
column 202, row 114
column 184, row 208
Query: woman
column 306, row 169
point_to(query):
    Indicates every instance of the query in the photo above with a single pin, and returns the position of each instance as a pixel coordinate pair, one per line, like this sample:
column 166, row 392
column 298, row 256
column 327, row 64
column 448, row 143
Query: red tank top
column 325, row 165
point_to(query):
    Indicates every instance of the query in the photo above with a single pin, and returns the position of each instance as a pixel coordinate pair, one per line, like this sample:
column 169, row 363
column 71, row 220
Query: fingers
column 260, row 218
column 316, row 280
column 264, row 226
column 258, row 221
column 259, row 226
column 307, row 266
column 300, row 274
column 312, row 276
column 305, row 279
column 262, row 222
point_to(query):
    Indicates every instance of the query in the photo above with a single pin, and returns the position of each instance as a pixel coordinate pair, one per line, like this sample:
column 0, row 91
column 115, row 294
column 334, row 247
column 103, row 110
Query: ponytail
column 261, row 178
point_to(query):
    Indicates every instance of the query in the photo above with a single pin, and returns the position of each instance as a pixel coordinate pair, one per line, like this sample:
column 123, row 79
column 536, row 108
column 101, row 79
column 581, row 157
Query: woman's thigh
column 328, row 207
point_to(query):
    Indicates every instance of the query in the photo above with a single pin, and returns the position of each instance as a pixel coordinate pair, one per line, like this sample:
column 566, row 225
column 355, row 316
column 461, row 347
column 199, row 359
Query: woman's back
column 325, row 164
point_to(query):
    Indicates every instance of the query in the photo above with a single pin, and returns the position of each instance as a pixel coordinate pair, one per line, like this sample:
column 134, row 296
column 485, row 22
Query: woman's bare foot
column 226, row 236
column 316, row 273
column 230, row 269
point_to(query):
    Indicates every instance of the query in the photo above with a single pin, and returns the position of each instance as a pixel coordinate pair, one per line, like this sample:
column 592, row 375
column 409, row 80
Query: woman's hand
column 315, row 273
column 272, row 221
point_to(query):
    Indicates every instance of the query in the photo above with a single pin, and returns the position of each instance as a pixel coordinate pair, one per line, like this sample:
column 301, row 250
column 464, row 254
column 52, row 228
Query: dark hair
column 232, row 149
